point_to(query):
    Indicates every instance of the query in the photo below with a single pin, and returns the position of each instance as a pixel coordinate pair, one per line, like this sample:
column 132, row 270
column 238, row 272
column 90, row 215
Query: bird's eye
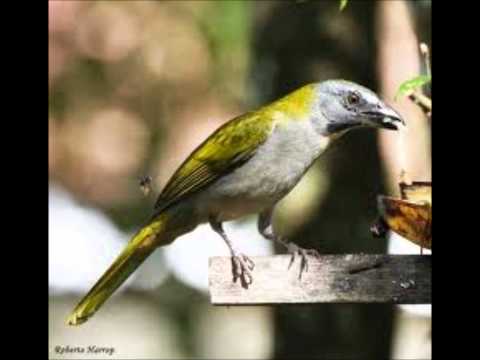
column 353, row 99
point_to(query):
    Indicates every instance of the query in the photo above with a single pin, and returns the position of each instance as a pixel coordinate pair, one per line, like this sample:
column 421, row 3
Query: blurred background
column 134, row 86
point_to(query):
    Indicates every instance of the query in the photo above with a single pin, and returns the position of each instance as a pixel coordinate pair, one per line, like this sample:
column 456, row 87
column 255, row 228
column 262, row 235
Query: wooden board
column 359, row 278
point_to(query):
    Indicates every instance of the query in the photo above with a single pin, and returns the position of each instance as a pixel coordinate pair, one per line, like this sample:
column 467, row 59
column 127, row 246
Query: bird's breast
column 269, row 175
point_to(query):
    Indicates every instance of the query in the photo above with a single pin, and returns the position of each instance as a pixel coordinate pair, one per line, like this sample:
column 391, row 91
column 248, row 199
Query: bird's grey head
column 343, row 105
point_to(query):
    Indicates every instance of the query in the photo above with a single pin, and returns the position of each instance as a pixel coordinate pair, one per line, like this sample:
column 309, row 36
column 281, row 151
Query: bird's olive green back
column 227, row 148
column 231, row 145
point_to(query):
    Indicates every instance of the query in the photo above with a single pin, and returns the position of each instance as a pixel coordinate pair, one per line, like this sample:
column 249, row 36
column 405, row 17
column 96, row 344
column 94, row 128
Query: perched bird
column 246, row 167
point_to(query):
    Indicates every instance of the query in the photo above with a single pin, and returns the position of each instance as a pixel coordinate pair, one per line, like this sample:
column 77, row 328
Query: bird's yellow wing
column 227, row 148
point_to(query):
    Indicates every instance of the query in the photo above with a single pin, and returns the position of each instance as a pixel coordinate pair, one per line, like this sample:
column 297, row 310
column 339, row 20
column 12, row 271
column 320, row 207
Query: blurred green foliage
column 413, row 84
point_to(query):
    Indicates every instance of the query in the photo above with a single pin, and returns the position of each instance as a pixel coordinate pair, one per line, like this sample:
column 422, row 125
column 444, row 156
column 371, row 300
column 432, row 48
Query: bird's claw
column 242, row 266
column 303, row 253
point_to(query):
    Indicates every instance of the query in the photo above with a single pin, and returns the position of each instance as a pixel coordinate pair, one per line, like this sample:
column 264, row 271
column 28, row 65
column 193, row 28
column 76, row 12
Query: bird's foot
column 303, row 253
column 242, row 266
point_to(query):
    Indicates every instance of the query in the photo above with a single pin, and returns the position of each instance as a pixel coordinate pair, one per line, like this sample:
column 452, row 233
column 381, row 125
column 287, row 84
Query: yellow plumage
column 137, row 250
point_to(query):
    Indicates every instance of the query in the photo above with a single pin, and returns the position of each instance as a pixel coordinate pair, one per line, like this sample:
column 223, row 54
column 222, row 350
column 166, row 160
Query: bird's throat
column 340, row 128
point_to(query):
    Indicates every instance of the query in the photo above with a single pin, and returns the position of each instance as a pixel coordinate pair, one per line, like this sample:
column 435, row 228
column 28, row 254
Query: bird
column 246, row 167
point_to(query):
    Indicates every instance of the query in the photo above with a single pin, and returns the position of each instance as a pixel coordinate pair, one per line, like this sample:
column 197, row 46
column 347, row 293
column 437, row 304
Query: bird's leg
column 266, row 229
column 241, row 264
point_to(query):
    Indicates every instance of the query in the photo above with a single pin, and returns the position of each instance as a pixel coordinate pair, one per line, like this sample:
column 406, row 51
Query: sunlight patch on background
column 83, row 243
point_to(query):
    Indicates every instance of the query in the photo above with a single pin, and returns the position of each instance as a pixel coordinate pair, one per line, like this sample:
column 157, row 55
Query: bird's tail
column 137, row 250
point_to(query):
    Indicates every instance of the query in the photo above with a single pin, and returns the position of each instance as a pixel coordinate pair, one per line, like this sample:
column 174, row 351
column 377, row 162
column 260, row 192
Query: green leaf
column 343, row 3
column 410, row 85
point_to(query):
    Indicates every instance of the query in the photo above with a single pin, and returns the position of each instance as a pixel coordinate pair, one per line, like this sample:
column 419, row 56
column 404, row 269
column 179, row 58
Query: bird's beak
column 384, row 117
